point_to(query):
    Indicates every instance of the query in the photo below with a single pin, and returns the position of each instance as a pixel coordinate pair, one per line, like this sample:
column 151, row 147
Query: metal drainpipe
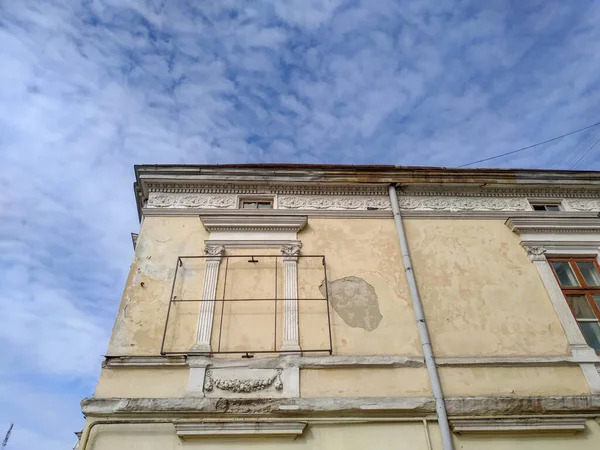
column 436, row 387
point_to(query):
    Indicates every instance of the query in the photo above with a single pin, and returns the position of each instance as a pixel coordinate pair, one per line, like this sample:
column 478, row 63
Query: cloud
column 90, row 88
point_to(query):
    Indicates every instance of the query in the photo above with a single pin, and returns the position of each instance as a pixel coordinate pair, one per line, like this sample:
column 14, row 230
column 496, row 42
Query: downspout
column 436, row 387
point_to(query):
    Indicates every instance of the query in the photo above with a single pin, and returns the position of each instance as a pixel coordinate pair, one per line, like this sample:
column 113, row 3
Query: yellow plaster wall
column 144, row 383
column 378, row 436
column 369, row 249
column 374, row 436
column 589, row 439
column 141, row 317
column 376, row 382
column 480, row 292
column 507, row 381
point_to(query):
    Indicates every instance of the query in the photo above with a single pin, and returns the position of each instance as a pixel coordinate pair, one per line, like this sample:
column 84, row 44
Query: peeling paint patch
column 355, row 301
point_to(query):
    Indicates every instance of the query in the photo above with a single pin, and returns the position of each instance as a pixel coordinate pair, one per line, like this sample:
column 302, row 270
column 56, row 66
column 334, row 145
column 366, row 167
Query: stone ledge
column 220, row 429
column 336, row 407
column 343, row 361
column 554, row 425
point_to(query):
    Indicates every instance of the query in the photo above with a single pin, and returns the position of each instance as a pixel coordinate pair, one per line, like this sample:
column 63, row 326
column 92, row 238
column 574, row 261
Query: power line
column 531, row 146
column 581, row 147
column 591, row 147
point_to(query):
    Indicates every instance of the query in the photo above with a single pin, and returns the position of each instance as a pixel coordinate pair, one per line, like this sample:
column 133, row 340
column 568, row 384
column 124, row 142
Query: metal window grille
column 224, row 304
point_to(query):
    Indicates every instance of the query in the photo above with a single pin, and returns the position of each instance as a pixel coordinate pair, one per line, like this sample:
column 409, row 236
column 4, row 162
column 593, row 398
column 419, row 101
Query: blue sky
column 90, row 88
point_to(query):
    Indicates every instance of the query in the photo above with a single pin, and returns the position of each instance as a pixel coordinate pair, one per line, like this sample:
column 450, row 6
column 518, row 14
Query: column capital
column 290, row 252
column 535, row 253
column 214, row 250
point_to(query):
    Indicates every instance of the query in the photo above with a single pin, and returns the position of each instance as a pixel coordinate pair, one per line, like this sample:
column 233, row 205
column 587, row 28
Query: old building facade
column 314, row 307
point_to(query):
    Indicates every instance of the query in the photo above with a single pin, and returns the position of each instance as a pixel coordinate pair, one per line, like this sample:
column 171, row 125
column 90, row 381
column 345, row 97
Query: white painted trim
column 561, row 236
column 290, row 310
column 259, row 243
column 207, row 305
column 189, row 430
column 563, row 425
column 265, row 223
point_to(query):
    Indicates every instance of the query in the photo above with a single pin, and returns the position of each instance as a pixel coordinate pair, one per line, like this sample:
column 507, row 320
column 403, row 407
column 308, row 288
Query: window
column 579, row 279
column 545, row 206
column 256, row 204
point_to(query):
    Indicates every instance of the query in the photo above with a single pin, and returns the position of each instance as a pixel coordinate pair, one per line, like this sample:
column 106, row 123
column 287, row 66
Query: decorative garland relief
column 242, row 386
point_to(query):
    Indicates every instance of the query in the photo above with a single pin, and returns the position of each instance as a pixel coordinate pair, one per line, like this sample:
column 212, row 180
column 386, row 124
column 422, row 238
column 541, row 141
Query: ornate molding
column 254, row 222
column 556, row 224
column 445, row 203
column 253, row 189
column 189, row 200
column 499, row 192
column 581, row 205
column 242, row 385
column 535, row 253
column 335, row 203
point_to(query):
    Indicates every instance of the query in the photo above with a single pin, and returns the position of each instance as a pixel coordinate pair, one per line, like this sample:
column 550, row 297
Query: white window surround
column 256, row 197
column 251, row 231
column 547, row 237
column 546, row 201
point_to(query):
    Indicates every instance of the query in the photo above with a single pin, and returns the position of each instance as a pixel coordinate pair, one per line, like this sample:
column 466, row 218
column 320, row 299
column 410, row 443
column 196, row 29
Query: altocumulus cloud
column 89, row 88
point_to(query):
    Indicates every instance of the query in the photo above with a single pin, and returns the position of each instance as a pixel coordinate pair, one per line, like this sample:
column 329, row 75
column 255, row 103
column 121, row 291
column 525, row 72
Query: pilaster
column 290, row 311
column 209, row 292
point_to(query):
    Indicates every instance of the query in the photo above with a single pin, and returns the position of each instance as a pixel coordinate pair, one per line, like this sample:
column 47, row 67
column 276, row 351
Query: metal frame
column 249, row 352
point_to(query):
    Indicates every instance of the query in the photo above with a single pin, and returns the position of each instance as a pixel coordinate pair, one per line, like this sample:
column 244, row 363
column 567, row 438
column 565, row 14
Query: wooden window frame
column 582, row 289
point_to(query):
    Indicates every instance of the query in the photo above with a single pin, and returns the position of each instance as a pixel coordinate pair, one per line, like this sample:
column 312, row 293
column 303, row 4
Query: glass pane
column 539, row 207
column 589, row 272
column 565, row 273
column 249, row 205
column 552, row 208
column 580, row 307
column 597, row 299
column 264, row 205
column 591, row 332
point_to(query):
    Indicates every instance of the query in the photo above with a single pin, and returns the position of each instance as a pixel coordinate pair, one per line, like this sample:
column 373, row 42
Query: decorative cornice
column 190, row 200
column 462, row 203
column 582, row 205
column 189, row 430
column 244, row 386
column 496, row 191
column 522, row 225
column 334, row 203
column 283, row 189
column 568, row 425
column 254, row 222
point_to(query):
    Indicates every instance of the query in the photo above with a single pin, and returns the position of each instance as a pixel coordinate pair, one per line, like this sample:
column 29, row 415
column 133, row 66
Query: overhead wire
column 580, row 148
column 590, row 148
column 531, row 146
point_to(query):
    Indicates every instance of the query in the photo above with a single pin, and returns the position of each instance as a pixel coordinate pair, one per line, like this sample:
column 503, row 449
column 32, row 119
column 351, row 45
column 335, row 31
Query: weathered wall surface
column 372, row 313
column 375, row 436
column 143, row 383
column 480, row 292
column 508, row 381
column 384, row 436
column 141, row 317
column 364, row 382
